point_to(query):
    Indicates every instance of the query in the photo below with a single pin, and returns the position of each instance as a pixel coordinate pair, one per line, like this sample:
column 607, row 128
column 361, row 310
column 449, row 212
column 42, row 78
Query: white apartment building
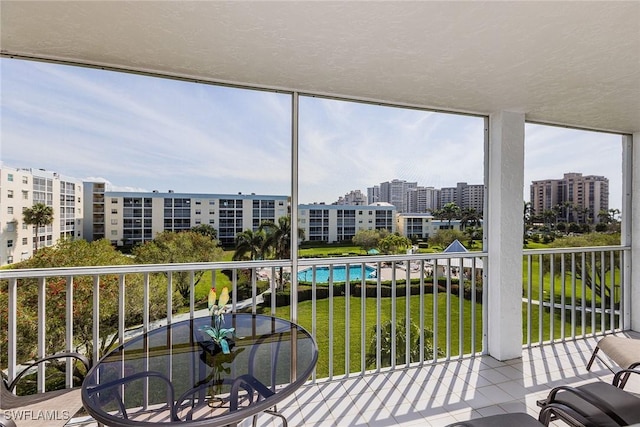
column 354, row 197
column 395, row 191
column 335, row 223
column 422, row 225
column 422, row 199
column 20, row 189
column 127, row 218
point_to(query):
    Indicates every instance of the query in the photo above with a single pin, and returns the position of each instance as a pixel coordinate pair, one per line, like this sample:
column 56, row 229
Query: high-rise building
column 464, row 196
column 577, row 198
column 373, row 194
column 354, row 198
column 395, row 192
column 21, row 189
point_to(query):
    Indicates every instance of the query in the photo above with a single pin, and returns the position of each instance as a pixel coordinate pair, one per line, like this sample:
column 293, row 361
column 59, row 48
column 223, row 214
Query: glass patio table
column 174, row 374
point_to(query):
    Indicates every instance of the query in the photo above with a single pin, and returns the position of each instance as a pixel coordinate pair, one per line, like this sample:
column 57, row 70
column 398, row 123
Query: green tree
column 444, row 238
column 171, row 247
column 250, row 243
column 38, row 215
column 368, row 239
column 206, row 230
column 67, row 253
column 386, row 339
column 596, row 275
column 394, row 244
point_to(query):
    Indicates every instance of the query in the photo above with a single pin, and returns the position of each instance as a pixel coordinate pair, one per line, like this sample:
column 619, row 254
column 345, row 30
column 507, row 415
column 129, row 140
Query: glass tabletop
column 176, row 374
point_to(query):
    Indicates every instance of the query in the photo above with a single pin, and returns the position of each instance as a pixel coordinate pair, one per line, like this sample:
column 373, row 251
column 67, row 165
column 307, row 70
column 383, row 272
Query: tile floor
column 441, row 394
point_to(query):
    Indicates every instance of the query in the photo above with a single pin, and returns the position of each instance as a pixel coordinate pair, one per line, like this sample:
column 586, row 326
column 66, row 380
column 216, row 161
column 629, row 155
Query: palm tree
column 39, row 215
column 449, row 211
column 278, row 239
column 250, row 242
column 469, row 216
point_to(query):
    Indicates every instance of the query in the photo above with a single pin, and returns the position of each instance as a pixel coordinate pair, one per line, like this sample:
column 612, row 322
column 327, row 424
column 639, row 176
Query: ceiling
column 568, row 63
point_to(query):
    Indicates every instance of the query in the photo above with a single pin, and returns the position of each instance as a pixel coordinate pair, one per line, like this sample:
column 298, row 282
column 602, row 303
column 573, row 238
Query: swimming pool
column 322, row 273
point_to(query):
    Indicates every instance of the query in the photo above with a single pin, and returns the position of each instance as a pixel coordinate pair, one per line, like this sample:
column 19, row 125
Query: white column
column 634, row 218
column 504, row 234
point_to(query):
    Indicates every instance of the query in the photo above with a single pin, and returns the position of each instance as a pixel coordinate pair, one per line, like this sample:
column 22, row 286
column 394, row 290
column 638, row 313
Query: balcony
column 455, row 379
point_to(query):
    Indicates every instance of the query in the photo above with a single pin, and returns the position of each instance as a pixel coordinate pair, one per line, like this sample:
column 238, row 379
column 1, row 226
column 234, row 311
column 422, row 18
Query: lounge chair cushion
column 624, row 351
column 516, row 419
column 626, row 405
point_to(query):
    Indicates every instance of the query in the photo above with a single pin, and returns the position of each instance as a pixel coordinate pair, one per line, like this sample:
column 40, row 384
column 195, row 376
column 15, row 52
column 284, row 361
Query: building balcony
column 435, row 373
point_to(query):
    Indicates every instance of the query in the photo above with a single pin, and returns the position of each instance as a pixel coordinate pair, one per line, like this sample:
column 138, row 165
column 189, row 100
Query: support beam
column 631, row 223
column 504, row 243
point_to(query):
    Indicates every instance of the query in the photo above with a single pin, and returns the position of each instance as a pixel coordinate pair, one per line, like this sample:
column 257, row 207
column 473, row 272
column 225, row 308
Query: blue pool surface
column 322, row 273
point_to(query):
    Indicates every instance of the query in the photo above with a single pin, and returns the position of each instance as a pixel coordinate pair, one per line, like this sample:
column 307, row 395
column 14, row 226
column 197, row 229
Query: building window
column 114, row 232
column 10, row 209
column 114, row 211
column 25, row 195
column 114, row 200
column 9, row 243
column 212, row 202
column 10, row 194
column 25, row 180
column 114, row 222
column 198, row 212
column 25, row 241
column 10, row 177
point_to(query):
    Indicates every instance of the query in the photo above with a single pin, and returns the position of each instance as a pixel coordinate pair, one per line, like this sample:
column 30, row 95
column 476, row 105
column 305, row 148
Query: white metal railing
column 445, row 312
column 574, row 292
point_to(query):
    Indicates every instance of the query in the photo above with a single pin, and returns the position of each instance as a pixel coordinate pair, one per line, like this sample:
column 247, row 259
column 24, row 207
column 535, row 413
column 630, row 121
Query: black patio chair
column 67, row 400
column 599, row 403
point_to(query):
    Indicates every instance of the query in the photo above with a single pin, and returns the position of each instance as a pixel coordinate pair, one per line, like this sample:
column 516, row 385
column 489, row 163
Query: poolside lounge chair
column 625, row 352
column 600, row 403
column 58, row 405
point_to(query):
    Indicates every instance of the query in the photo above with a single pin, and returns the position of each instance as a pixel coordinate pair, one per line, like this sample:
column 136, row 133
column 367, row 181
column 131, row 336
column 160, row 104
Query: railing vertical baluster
column 583, row 269
column 12, row 336
column 347, row 323
column 612, row 280
column 603, row 296
column 121, row 309
column 254, row 290
column 69, row 331
column 421, row 312
column 42, row 316
column 363, row 317
column 314, row 311
column 96, row 318
column 378, row 316
column 552, row 298
column 461, row 308
column 192, row 294
column 529, row 291
column 273, row 287
column 407, row 314
column 394, row 332
column 448, row 307
column 330, row 326
column 541, row 310
column 573, row 295
column 473, row 307
column 563, row 285
column 169, row 298
column 436, row 286
column 145, row 301
column 593, row 294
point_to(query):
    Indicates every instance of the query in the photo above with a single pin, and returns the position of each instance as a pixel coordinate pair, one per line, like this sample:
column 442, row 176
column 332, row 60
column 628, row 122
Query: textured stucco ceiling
column 571, row 63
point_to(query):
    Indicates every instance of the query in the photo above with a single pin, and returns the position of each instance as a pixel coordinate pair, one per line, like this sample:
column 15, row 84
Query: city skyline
column 142, row 133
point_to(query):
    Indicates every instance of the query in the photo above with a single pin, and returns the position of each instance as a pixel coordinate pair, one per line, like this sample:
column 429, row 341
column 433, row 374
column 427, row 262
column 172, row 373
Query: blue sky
column 141, row 133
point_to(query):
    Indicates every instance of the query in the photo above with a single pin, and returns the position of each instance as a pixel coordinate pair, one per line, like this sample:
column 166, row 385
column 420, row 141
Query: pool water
column 339, row 273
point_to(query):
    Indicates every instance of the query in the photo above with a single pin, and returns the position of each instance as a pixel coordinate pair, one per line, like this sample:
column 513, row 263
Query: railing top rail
column 578, row 249
column 232, row 265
